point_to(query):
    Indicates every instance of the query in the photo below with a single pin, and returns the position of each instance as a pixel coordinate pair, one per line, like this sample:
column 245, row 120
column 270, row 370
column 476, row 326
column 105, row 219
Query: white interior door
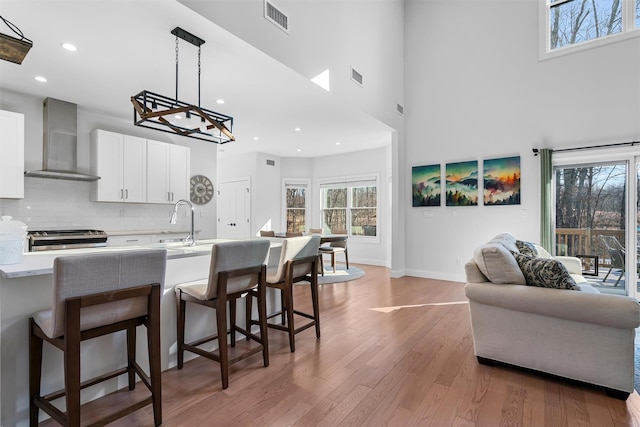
column 234, row 209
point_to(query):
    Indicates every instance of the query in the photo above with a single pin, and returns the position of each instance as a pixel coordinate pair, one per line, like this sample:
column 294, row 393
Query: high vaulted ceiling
column 125, row 47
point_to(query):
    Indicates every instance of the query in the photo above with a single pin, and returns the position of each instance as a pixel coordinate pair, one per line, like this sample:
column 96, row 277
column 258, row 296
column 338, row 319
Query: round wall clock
column 201, row 190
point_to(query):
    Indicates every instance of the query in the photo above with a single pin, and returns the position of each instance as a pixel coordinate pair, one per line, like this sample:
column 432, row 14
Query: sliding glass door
column 591, row 222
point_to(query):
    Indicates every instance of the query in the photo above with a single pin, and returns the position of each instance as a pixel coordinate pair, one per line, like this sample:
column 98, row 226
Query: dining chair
column 267, row 233
column 236, row 268
column 293, row 234
column 315, row 231
column 298, row 262
column 334, row 248
column 96, row 295
column 616, row 254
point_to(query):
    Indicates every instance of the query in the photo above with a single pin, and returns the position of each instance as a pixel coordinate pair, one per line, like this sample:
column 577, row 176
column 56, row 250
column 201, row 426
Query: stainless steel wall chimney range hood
column 60, row 143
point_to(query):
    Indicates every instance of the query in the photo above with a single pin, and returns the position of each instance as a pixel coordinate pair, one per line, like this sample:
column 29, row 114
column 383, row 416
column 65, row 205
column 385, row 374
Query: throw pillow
column 545, row 273
column 526, row 248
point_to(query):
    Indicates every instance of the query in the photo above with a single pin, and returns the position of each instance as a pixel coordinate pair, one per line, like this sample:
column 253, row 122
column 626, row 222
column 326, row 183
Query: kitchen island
column 27, row 287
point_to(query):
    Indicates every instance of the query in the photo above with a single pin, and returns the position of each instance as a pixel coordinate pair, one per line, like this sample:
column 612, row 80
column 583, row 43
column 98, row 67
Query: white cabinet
column 167, row 172
column 121, row 163
column 11, row 155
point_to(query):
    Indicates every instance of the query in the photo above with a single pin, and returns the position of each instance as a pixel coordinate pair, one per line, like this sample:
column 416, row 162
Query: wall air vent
column 271, row 162
column 356, row 76
column 400, row 109
column 276, row 16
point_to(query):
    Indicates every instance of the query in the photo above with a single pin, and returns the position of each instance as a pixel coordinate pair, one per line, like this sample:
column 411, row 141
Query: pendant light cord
column 177, row 50
column 16, row 30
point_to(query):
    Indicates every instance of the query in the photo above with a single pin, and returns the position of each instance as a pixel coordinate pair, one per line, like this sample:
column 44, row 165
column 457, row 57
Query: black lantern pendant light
column 171, row 115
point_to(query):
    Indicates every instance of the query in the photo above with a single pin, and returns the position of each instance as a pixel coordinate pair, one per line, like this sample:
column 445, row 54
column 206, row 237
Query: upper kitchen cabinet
column 121, row 162
column 11, row 155
column 167, row 172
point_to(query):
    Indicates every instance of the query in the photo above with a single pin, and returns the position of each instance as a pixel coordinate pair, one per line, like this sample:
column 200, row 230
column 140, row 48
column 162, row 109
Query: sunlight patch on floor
column 398, row 307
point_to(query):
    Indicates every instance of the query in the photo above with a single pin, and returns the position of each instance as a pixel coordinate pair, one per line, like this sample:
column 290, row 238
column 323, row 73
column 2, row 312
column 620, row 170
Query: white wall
column 477, row 90
column 51, row 203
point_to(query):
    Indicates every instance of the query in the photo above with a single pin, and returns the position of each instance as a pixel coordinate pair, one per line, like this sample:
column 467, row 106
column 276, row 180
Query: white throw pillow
column 497, row 263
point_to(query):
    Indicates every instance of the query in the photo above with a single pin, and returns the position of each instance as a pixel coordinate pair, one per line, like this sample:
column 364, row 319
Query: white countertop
column 39, row 263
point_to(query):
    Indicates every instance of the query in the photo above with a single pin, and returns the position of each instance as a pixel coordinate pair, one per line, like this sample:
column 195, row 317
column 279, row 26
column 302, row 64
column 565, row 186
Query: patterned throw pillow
column 526, row 248
column 545, row 273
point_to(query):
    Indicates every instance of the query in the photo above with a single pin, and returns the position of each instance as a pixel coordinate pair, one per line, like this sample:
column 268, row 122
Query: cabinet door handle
column 126, row 192
column 172, row 196
column 121, row 193
column 168, row 196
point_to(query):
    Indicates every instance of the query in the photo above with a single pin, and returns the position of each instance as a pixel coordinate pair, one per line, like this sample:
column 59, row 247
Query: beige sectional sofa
column 581, row 334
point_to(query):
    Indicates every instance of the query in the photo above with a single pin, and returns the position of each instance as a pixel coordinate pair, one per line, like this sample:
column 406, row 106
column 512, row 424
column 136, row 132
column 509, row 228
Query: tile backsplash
column 61, row 204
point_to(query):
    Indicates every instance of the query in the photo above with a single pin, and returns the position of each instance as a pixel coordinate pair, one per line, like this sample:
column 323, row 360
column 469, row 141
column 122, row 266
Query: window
column 352, row 206
column 296, row 206
column 571, row 22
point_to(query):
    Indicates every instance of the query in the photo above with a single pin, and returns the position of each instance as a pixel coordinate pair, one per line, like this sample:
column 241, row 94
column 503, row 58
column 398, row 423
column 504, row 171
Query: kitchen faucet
column 191, row 238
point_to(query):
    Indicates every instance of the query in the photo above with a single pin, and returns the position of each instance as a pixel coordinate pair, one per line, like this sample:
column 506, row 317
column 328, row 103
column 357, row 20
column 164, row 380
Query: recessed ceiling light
column 255, row 138
column 337, row 143
column 220, row 101
column 299, row 150
column 297, row 129
column 41, row 79
column 68, row 46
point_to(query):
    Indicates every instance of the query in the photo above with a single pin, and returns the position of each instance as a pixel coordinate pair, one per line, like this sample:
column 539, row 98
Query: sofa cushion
column 546, row 273
column 496, row 262
column 526, row 248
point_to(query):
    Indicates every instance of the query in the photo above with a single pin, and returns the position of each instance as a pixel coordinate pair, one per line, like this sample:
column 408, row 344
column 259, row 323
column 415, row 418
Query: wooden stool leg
column 232, row 321
column 221, row 320
column 35, row 372
column 72, row 369
column 314, row 301
column 131, row 356
column 248, row 309
column 288, row 297
column 262, row 319
column 153, row 347
column 180, row 308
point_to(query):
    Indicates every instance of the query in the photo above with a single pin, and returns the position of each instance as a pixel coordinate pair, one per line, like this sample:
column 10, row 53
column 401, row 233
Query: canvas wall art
column 426, row 185
column 502, row 181
column 462, row 183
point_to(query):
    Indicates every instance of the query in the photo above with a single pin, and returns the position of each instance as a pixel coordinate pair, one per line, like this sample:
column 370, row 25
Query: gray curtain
column 547, row 232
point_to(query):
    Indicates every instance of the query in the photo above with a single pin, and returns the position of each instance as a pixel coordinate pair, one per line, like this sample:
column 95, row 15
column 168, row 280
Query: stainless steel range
column 49, row 240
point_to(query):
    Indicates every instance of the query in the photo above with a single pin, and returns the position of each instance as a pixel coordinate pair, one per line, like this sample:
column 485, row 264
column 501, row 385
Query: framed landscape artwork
column 502, row 181
column 426, row 185
column 462, row 183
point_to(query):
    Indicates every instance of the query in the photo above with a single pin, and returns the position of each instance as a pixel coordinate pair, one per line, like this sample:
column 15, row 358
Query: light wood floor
column 394, row 352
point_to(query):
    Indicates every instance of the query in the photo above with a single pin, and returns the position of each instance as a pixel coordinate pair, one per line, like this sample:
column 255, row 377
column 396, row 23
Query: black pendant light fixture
column 14, row 49
column 166, row 114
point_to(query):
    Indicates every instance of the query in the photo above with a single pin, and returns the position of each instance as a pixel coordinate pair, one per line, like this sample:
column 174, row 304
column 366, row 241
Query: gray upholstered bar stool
column 298, row 262
column 236, row 268
column 95, row 295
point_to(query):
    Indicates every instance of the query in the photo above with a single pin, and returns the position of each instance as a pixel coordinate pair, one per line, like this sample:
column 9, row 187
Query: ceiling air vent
column 271, row 162
column 400, row 109
column 356, row 76
column 276, row 16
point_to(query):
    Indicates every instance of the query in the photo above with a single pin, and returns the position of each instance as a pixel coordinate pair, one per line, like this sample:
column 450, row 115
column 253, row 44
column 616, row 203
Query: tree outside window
column 296, row 209
column 363, row 211
column 352, row 208
column 576, row 21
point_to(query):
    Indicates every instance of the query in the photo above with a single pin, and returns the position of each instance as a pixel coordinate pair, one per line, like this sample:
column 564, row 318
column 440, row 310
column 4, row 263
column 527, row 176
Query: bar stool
column 236, row 268
column 96, row 295
column 298, row 262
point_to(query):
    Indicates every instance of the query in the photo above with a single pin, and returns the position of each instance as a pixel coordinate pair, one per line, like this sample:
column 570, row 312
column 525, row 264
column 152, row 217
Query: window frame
column 350, row 182
column 296, row 183
column 629, row 31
